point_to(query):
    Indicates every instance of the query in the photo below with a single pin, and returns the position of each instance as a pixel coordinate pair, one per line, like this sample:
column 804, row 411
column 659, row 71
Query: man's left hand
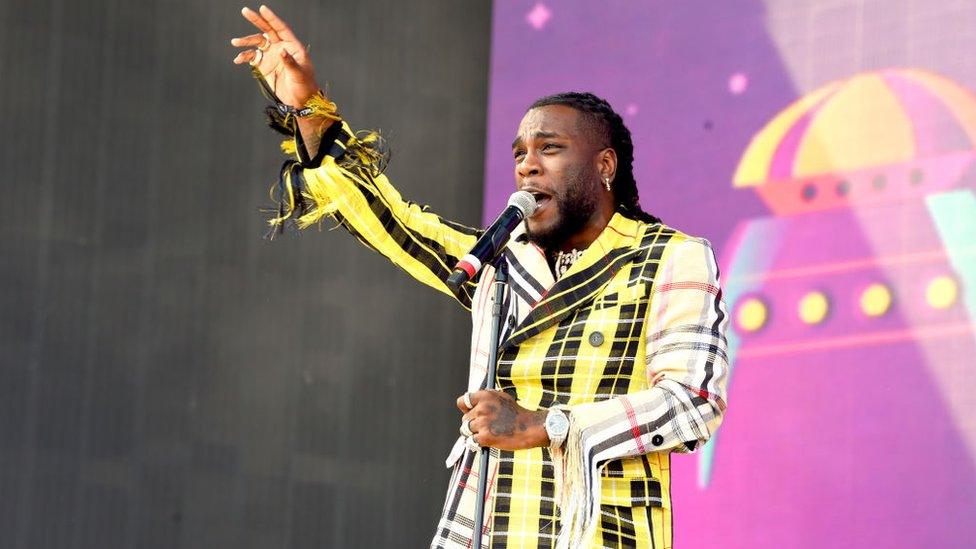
column 496, row 420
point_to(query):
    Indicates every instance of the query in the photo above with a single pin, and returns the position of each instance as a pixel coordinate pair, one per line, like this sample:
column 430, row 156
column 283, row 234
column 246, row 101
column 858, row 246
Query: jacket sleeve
column 345, row 182
column 687, row 368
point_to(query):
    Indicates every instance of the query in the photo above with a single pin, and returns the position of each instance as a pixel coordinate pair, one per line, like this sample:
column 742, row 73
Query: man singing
column 614, row 351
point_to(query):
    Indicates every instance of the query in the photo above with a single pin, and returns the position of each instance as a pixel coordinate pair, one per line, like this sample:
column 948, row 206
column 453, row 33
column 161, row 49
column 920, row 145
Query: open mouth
column 541, row 200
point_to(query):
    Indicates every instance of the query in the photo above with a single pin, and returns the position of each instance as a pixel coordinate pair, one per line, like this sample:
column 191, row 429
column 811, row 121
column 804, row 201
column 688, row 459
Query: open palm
column 278, row 54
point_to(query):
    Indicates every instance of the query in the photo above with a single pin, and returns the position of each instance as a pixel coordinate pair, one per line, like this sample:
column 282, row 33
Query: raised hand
column 279, row 55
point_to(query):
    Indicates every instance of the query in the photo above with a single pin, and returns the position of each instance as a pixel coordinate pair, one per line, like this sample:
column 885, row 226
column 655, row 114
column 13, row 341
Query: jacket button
column 596, row 339
column 657, row 440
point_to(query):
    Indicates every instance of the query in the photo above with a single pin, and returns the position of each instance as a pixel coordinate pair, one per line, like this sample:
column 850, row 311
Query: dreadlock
column 616, row 135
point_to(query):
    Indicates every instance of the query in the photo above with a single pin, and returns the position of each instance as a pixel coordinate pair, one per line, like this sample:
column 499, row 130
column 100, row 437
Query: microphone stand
column 497, row 318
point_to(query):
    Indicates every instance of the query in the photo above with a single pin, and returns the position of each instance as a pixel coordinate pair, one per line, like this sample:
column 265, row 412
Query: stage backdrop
column 169, row 379
column 826, row 149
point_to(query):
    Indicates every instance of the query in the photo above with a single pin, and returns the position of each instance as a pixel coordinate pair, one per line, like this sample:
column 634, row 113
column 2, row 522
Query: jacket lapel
column 613, row 249
column 528, row 273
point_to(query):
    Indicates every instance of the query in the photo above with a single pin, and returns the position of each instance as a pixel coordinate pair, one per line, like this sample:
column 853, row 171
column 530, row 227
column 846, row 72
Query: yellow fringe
column 289, row 147
column 364, row 154
column 274, row 222
column 366, row 150
column 315, row 193
column 323, row 204
column 322, row 107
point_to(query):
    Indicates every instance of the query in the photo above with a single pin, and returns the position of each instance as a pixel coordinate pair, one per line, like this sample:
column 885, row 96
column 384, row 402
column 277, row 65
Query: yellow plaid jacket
column 631, row 340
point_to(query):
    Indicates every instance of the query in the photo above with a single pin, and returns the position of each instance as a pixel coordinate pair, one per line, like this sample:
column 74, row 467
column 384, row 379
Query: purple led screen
column 828, row 152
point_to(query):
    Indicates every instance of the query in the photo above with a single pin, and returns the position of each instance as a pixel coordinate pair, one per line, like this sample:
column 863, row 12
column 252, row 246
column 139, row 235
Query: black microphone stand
column 497, row 318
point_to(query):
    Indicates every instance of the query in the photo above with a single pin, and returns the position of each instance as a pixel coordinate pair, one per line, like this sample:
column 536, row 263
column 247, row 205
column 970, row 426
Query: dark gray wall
column 168, row 378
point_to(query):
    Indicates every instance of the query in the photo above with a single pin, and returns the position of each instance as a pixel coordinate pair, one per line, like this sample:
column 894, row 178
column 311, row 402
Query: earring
column 606, row 183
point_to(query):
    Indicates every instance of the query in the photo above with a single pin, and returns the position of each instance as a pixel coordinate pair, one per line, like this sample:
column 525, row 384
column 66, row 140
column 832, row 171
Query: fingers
column 260, row 22
column 465, row 402
column 249, row 41
column 496, row 420
column 475, row 418
column 246, row 56
column 258, row 49
column 254, row 58
column 475, row 428
column 478, row 396
column 279, row 26
column 474, row 398
column 474, row 422
column 481, row 431
column 477, row 425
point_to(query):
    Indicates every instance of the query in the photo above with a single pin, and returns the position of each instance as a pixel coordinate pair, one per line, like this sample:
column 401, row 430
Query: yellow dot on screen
column 941, row 292
column 876, row 300
column 814, row 307
column 752, row 314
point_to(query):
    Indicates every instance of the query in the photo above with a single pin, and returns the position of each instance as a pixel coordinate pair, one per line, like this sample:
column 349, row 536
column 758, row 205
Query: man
column 614, row 351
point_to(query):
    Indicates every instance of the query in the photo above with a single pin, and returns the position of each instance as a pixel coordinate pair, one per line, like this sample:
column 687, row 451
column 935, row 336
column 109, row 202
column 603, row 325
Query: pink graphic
column 738, row 83
column 847, row 241
column 539, row 16
column 848, row 315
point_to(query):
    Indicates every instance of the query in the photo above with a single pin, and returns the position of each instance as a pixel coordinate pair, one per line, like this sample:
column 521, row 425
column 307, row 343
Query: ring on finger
column 467, row 400
column 258, row 56
column 266, row 44
column 466, row 428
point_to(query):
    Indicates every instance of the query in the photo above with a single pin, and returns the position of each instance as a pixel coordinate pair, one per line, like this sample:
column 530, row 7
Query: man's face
column 556, row 160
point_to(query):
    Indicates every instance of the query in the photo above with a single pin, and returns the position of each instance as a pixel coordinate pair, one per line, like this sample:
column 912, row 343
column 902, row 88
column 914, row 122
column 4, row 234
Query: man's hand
column 283, row 60
column 496, row 420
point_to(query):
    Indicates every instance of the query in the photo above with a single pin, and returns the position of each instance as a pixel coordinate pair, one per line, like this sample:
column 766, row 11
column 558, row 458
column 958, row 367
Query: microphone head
column 524, row 201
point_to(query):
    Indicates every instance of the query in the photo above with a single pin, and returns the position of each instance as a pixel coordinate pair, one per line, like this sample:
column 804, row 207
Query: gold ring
column 266, row 44
column 258, row 56
column 467, row 400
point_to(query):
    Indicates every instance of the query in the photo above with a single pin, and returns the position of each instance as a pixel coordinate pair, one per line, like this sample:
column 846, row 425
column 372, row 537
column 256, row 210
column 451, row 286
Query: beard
column 574, row 207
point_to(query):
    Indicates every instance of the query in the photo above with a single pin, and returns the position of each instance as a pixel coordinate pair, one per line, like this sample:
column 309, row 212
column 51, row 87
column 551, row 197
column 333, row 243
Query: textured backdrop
column 169, row 379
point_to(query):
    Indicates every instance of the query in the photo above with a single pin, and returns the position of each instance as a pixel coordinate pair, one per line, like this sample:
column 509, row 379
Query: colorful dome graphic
column 854, row 308
column 909, row 121
column 872, row 119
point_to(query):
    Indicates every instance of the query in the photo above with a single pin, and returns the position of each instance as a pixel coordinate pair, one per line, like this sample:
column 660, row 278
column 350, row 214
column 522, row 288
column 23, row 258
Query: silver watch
column 557, row 427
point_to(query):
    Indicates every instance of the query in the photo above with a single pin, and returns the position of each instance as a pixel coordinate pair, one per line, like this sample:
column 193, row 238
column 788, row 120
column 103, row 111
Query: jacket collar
column 611, row 250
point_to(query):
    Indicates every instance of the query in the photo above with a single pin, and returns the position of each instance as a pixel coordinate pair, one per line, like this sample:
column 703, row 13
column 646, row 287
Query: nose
column 529, row 165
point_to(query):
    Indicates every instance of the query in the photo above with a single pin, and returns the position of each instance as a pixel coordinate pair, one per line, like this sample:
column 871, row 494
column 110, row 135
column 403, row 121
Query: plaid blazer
column 631, row 340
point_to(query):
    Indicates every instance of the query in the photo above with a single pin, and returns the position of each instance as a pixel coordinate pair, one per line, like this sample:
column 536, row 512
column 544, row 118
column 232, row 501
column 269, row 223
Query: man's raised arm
column 338, row 173
column 282, row 60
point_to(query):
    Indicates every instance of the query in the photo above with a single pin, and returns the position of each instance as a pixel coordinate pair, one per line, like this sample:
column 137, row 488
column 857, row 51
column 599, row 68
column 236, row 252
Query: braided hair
column 615, row 134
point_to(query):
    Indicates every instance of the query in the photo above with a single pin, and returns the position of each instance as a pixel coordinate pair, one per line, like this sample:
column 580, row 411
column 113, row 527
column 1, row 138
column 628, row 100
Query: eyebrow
column 537, row 135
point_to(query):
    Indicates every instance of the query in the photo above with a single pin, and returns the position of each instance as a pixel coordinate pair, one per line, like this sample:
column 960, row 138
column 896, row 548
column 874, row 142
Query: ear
column 607, row 163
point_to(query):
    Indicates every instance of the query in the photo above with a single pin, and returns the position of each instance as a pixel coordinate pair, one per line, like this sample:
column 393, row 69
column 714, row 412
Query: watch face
column 557, row 423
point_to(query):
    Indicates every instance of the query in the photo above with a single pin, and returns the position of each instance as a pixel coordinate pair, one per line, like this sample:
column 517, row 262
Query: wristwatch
column 557, row 427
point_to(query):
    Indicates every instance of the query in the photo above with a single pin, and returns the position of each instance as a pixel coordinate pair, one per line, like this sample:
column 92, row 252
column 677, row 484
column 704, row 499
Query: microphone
column 520, row 205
